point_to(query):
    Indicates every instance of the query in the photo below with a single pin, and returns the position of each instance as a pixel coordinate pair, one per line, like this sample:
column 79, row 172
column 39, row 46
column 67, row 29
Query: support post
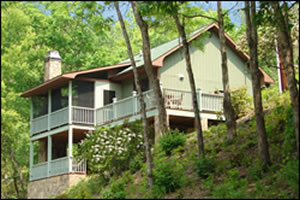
column 95, row 104
column 49, row 109
column 70, row 145
column 31, row 116
column 70, row 102
column 114, row 108
column 30, row 159
column 134, row 102
column 49, row 154
column 199, row 98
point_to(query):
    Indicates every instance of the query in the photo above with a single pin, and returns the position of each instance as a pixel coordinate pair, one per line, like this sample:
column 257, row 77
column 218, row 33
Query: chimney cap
column 53, row 55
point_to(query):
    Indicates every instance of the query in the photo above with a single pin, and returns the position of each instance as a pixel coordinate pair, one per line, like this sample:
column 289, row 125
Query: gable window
column 108, row 96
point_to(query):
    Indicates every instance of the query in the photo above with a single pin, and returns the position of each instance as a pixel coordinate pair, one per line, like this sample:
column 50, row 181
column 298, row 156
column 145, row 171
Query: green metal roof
column 159, row 50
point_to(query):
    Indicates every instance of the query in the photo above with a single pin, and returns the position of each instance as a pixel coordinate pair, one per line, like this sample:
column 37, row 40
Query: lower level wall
column 52, row 186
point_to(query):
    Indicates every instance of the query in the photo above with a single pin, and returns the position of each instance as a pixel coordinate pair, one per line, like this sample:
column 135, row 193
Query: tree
column 286, row 46
column 140, row 97
column 263, row 146
column 189, row 70
column 228, row 108
column 152, row 75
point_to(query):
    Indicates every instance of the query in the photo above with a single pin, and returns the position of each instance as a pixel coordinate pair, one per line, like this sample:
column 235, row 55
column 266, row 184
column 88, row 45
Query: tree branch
column 198, row 15
column 230, row 9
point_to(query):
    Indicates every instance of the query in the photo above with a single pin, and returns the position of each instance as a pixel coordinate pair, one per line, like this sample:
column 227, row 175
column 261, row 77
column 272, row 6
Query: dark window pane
column 40, row 105
column 59, row 98
column 108, row 96
column 83, row 94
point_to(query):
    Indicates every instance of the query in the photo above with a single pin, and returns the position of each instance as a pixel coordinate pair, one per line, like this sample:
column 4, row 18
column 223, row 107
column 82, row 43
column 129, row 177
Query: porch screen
column 59, row 98
column 83, row 94
column 40, row 105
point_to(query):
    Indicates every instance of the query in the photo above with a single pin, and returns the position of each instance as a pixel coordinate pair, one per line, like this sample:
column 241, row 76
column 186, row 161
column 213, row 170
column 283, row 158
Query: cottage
column 65, row 106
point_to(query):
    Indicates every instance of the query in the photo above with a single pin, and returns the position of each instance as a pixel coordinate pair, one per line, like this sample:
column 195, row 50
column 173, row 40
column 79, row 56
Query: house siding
column 206, row 66
column 105, row 85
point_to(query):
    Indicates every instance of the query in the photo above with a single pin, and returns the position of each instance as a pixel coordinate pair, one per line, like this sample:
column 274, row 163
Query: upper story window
column 59, row 98
column 83, row 94
column 144, row 85
column 40, row 105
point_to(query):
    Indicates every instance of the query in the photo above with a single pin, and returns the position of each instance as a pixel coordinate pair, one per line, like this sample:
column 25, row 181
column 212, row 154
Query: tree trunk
column 228, row 108
column 263, row 146
column 152, row 75
column 141, row 99
column 286, row 47
column 189, row 70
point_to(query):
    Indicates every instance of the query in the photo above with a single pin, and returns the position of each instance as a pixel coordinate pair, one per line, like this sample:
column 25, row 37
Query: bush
column 241, row 101
column 136, row 163
column 290, row 174
column 172, row 140
column 111, row 149
column 116, row 189
column 204, row 167
column 168, row 175
column 233, row 186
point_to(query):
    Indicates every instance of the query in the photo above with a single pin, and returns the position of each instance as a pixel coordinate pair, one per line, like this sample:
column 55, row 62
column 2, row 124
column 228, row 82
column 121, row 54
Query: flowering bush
column 111, row 149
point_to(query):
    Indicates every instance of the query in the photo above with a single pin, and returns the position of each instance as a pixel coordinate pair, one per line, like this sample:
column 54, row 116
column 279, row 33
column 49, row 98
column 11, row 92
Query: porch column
column 31, row 116
column 49, row 109
column 70, row 102
column 70, row 143
column 134, row 102
column 114, row 108
column 49, row 154
column 30, row 159
column 95, row 122
column 199, row 98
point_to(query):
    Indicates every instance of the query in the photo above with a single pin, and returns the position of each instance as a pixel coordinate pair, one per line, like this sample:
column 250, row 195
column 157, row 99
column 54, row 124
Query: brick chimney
column 52, row 65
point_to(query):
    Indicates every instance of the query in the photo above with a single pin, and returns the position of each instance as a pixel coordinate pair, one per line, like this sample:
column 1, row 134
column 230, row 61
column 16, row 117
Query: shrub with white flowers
column 111, row 149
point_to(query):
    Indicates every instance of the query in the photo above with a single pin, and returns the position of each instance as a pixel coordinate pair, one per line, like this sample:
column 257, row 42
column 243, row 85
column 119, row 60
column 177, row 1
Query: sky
column 212, row 5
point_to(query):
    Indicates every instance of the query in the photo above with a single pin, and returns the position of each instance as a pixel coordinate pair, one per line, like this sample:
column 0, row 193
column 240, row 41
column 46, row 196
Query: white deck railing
column 56, row 167
column 212, row 102
column 79, row 166
column 59, row 166
column 39, row 124
column 82, row 115
column 39, row 171
column 174, row 99
column 59, row 117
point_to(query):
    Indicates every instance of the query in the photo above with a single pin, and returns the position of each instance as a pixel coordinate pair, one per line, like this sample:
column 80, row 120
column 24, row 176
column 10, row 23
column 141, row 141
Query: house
column 65, row 106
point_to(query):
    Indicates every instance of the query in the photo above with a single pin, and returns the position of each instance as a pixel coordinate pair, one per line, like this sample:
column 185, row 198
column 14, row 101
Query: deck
column 125, row 108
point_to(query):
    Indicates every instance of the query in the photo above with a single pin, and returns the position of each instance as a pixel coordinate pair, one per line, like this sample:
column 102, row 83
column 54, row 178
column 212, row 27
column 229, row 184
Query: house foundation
column 52, row 186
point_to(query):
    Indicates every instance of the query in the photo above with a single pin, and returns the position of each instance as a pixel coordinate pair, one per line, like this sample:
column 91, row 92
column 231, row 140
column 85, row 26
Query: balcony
column 125, row 108
column 57, row 167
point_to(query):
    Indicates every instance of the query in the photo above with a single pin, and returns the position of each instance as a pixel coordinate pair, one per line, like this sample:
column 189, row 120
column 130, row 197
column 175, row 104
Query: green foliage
column 290, row 174
column 112, row 149
column 136, row 163
column 168, row 174
column 205, row 166
column 241, row 101
column 116, row 189
column 233, row 186
column 171, row 140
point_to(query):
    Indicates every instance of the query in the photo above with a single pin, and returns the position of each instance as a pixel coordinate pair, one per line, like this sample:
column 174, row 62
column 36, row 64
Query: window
column 40, row 105
column 59, row 98
column 144, row 85
column 83, row 94
column 108, row 96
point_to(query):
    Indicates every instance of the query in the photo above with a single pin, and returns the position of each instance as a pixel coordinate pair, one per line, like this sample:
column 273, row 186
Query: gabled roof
column 158, row 54
column 64, row 78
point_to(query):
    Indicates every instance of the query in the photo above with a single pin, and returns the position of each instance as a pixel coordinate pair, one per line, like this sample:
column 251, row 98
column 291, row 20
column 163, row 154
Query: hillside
column 229, row 171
